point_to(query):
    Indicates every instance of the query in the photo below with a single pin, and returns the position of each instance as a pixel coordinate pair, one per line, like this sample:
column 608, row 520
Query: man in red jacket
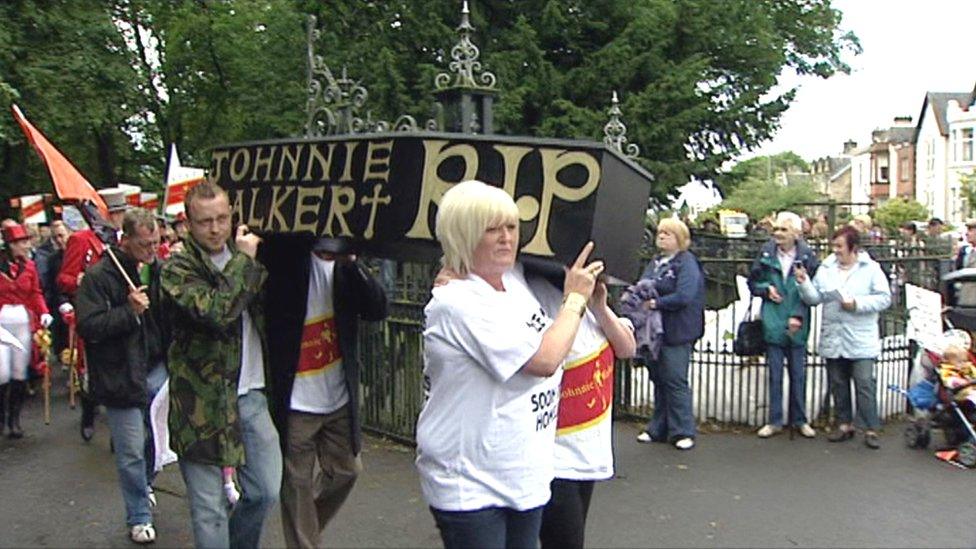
column 83, row 249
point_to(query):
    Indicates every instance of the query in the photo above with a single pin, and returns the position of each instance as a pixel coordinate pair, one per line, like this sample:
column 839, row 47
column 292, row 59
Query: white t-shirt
column 251, row 375
column 485, row 435
column 584, row 433
column 320, row 381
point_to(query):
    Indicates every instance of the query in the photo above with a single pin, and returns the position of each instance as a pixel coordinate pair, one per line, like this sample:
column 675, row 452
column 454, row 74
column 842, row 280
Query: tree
column 760, row 197
column 893, row 213
column 762, row 167
column 696, row 77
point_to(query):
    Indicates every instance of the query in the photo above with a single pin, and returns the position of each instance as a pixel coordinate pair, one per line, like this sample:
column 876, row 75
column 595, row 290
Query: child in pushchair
column 943, row 396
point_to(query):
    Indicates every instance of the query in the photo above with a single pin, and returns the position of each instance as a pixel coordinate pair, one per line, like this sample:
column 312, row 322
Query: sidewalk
column 732, row 490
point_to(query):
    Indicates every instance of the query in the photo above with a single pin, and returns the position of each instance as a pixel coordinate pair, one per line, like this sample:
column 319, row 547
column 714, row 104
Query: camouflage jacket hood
column 206, row 305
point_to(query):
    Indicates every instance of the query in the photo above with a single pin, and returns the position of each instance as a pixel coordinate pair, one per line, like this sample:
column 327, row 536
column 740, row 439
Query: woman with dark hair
column 680, row 285
column 853, row 289
column 22, row 311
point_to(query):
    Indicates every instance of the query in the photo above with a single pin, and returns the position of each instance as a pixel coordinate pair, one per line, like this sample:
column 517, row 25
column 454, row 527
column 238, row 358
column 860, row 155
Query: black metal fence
column 727, row 390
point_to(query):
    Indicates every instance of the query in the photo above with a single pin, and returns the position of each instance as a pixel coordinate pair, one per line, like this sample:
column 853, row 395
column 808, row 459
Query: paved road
column 733, row 490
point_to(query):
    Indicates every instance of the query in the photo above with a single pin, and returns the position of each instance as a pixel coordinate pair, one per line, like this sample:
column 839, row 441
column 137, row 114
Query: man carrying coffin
column 316, row 294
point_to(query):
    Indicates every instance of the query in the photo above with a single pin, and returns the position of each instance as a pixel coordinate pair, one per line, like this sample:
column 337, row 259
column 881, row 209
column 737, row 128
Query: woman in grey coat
column 854, row 290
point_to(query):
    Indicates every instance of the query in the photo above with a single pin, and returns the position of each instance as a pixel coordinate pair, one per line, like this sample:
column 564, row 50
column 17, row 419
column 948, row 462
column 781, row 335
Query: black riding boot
column 3, row 407
column 18, row 391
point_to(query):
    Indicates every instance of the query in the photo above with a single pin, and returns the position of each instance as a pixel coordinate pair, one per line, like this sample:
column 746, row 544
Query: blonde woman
column 680, row 284
column 485, row 437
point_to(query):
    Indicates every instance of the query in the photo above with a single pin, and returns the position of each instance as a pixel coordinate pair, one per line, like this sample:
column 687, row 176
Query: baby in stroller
column 943, row 396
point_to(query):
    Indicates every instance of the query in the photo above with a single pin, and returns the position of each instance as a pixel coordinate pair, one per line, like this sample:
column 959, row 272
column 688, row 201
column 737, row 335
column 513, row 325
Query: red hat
column 14, row 232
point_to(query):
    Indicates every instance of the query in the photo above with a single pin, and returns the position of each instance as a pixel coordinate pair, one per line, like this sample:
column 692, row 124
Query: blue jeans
column 128, row 428
column 795, row 357
column 672, row 418
column 260, row 480
column 489, row 528
column 841, row 371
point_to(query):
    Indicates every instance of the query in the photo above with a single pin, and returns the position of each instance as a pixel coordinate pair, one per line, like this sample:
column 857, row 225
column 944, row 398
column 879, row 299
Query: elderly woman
column 22, row 311
column 854, row 290
column 785, row 318
column 680, row 284
column 485, row 437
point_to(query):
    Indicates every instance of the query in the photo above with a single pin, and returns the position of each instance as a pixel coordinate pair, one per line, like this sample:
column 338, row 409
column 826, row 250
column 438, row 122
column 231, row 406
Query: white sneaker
column 142, row 533
column 769, row 430
column 685, row 443
column 644, row 438
column 151, row 494
column 807, row 431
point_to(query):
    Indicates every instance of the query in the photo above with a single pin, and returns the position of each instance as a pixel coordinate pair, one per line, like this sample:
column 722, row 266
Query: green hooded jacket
column 766, row 272
column 206, row 306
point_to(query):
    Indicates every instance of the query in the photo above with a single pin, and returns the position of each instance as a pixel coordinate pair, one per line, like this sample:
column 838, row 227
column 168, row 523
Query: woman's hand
column 580, row 279
column 599, row 297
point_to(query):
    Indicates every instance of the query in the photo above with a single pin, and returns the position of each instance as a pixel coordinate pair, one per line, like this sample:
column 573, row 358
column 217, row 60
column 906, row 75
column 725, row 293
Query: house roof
column 939, row 102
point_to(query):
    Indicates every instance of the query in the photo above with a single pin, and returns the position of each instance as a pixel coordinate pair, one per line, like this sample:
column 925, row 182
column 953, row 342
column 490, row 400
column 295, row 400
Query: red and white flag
column 149, row 201
column 31, row 208
column 179, row 180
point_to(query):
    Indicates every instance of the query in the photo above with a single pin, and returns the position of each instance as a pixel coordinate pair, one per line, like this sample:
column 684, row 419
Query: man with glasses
column 118, row 311
column 785, row 318
column 218, row 414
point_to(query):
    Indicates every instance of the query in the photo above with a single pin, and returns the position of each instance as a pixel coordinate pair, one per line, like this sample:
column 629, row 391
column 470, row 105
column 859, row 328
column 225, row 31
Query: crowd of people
column 254, row 341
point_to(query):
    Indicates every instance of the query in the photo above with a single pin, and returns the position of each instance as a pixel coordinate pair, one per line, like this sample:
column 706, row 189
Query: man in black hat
column 316, row 293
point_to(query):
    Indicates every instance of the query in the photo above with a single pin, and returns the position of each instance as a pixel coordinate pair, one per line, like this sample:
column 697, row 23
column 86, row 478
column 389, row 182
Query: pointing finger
column 583, row 255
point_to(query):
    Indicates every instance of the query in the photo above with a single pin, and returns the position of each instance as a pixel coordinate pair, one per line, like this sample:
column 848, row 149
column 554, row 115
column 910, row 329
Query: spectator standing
column 965, row 258
column 315, row 300
column 485, row 434
column 126, row 345
column 22, row 312
column 854, row 290
column 680, row 284
column 785, row 319
column 218, row 413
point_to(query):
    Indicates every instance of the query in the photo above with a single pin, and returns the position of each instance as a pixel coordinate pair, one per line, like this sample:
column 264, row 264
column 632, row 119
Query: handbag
column 749, row 340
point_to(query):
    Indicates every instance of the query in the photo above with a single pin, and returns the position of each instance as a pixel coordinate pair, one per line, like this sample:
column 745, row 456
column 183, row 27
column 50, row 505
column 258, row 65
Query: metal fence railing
column 727, row 390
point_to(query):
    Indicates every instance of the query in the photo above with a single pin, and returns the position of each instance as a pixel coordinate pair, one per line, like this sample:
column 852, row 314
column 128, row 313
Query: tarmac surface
column 732, row 490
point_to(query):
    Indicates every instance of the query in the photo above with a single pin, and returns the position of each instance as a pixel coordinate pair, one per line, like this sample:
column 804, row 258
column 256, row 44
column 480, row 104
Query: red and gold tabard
column 320, row 346
column 586, row 394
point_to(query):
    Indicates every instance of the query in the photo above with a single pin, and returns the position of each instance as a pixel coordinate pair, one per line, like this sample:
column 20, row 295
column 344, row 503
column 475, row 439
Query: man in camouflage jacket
column 218, row 412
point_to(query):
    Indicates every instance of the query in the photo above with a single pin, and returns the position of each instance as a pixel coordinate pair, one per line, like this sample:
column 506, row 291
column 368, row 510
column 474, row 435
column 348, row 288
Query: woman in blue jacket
column 680, row 285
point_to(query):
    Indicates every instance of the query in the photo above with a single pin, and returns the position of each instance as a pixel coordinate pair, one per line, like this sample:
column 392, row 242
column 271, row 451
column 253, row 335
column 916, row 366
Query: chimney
column 849, row 146
column 903, row 121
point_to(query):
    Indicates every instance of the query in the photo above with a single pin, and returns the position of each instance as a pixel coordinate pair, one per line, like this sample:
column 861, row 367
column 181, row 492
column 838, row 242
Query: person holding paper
column 849, row 338
column 785, row 318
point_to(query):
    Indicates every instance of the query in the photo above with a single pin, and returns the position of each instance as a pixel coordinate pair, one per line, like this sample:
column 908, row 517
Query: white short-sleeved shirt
column 584, row 432
column 485, row 435
column 251, row 375
column 320, row 381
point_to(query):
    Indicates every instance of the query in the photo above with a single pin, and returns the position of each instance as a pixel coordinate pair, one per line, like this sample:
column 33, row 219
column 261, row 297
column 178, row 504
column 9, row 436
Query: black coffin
column 378, row 193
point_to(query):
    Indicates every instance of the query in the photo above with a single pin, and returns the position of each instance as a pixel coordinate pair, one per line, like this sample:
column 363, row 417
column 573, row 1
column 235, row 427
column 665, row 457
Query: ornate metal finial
column 615, row 132
column 466, row 68
column 334, row 104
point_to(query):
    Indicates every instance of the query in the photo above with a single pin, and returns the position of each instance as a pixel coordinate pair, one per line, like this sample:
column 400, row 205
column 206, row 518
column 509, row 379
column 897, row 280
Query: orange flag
column 69, row 184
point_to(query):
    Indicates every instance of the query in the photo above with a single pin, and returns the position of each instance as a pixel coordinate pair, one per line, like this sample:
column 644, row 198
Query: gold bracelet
column 575, row 302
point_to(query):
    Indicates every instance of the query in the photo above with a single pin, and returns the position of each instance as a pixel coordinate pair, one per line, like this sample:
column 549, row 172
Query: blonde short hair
column 465, row 213
column 678, row 228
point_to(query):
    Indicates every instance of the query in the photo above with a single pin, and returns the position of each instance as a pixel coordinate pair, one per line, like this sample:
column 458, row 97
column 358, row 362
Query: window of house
column 930, row 156
column 883, row 174
column 903, row 169
column 966, row 142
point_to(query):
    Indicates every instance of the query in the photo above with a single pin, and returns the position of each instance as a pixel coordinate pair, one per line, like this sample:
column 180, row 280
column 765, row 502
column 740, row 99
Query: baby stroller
column 935, row 406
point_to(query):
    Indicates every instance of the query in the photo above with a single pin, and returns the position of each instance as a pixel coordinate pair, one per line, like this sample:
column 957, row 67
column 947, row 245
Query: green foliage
column 770, row 168
column 759, row 198
column 968, row 190
column 896, row 211
column 696, row 77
